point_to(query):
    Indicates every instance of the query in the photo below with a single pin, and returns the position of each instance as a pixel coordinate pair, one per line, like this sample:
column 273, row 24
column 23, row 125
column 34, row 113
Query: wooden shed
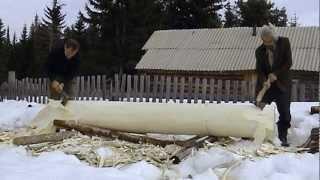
column 225, row 53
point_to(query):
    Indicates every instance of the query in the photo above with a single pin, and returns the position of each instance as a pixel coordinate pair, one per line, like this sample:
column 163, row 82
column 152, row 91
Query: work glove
column 272, row 77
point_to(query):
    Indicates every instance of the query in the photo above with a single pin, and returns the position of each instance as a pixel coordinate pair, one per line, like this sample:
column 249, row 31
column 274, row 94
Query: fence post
column 182, row 86
column 227, row 91
column 155, row 88
column 104, row 87
column 161, row 91
column 129, row 88
column 244, row 91
column 117, row 87
column 141, row 93
column 302, row 93
column 148, row 92
column 196, row 90
column 219, row 91
column 294, row 91
column 211, row 97
column 204, row 90
column 175, row 88
column 168, row 88
column 190, row 88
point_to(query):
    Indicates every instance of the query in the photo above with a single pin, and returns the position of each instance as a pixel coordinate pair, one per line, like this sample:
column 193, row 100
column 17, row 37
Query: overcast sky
column 15, row 13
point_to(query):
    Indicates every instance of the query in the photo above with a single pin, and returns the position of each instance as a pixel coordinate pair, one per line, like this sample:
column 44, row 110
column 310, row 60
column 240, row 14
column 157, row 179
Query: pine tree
column 14, row 40
column 79, row 26
column 39, row 44
column 261, row 12
column 54, row 21
column 279, row 17
column 188, row 14
column 231, row 17
column 8, row 39
column 3, row 53
column 254, row 12
column 24, row 35
column 120, row 27
column 2, row 33
column 294, row 21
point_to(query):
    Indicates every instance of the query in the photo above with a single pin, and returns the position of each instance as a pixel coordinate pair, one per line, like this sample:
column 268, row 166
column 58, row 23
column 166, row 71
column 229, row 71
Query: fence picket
column 182, row 87
column 141, row 93
column 151, row 88
column 204, row 90
column 135, row 87
column 155, row 87
column 168, row 88
column 148, row 85
column 190, row 88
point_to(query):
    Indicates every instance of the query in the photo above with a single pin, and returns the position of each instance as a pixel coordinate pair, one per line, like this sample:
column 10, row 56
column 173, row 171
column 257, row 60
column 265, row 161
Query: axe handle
column 262, row 92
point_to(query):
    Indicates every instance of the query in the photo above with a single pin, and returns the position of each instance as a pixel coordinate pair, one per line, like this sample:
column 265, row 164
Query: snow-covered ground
column 212, row 163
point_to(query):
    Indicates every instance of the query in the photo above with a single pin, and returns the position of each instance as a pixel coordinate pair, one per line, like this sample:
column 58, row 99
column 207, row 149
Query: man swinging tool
column 273, row 63
column 62, row 66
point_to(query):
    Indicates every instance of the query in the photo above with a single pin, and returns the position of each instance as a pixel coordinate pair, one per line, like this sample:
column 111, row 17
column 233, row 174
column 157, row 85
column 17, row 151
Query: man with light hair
column 273, row 63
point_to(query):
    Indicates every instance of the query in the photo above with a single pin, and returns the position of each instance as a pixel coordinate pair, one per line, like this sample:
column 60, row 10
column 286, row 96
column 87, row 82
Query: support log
column 36, row 139
column 188, row 147
column 96, row 131
column 312, row 144
column 315, row 110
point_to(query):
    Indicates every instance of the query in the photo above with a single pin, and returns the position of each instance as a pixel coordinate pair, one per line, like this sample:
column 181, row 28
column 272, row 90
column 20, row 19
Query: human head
column 71, row 48
column 268, row 35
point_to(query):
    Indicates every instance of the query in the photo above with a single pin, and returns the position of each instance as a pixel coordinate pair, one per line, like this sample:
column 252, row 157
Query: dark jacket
column 281, row 65
column 60, row 68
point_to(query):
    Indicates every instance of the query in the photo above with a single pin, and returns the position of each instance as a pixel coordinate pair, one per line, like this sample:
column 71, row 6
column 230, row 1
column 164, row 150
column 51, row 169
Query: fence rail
column 150, row 88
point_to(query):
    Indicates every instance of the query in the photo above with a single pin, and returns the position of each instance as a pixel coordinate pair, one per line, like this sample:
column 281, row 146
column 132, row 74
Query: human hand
column 260, row 105
column 58, row 87
column 267, row 84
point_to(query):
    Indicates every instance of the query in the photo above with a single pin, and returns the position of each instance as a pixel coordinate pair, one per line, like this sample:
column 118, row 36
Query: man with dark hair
column 274, row 60
column 62, row 66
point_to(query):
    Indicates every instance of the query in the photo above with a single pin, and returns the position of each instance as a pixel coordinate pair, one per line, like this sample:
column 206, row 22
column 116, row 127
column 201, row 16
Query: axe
column 263, row 91
column 64, row 95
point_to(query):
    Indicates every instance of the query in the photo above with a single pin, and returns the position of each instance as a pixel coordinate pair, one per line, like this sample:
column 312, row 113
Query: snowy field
column 214, row 163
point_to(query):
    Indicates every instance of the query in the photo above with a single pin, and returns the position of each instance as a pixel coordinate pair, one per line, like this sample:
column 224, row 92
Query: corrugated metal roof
column 230, row 49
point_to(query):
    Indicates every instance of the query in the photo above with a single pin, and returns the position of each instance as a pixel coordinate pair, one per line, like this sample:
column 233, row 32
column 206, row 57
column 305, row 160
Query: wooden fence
column 150, row 88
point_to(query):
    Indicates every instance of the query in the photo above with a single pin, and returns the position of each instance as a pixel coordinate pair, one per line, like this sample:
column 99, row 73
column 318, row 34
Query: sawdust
column 124, row 153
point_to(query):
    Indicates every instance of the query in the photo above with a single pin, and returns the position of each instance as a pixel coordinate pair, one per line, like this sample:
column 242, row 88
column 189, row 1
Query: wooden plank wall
column 138, row 88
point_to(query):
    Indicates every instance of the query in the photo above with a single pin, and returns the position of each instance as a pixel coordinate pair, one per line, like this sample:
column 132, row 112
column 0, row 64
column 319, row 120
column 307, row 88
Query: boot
column 283, row 133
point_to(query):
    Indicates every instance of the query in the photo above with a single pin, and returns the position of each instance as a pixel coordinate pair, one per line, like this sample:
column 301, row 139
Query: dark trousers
column 68, row 89
column 282, row 100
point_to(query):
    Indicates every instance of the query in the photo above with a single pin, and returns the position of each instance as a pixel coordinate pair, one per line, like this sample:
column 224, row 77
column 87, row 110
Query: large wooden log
column 36, row 139
column 96, row 131
column 193, row 119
